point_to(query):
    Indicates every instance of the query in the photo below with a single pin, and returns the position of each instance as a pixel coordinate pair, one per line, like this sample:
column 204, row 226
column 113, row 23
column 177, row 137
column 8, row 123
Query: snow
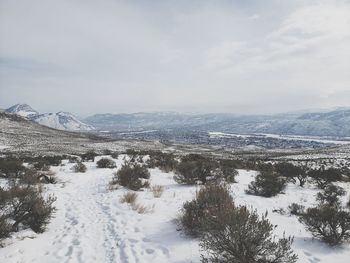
column 62, row 121
column 92, row 225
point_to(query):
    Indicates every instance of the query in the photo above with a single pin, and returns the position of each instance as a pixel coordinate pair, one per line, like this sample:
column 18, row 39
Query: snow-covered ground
column 92, row 225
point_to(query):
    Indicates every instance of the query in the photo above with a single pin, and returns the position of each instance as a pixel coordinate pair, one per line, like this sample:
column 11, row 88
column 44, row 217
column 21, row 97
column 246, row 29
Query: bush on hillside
column 89, row 156
column 10, row 167
column 267, row 184
column 239, row 235
column 292, row 172
column 130, row 175
column 26, row 207
column 79, row 167
column 296, row 209
column 106, row 163
column 164, row 161
column 322, row 177
column 195, row 168
column 330, row 195
column 329, row 223
column 209, row 200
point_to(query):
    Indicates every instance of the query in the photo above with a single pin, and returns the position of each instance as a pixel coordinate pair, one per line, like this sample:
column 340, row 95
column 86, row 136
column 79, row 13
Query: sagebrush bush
column 130, row 175
column 11, row 167
column 195, row 168
column 89, row 156
column 164, row 161
column 79, row 167
column 27, row 207
column 157, row 190
column 292, row 172
column 330, row 195
column 329, row 223
column 31, row 176
column 296, row 209
column 267, row 184
column 106, row 163
column 322, row 177
column 228, row 170
column 239, row 235
column 5, row 228
column 210, row 199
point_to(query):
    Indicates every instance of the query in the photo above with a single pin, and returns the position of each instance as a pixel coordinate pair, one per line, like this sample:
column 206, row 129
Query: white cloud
column 235, row 56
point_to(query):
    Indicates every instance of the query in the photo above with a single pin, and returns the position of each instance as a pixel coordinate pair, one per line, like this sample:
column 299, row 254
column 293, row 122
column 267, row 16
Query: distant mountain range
column 60, row 120
column 335, row 123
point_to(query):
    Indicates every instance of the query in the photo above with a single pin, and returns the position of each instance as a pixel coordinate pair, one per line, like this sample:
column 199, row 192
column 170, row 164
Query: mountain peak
column 23, row 110
column 62, row 121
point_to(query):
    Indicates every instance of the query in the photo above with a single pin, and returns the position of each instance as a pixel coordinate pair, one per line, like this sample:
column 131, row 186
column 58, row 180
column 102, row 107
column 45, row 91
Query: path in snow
column 90, row 225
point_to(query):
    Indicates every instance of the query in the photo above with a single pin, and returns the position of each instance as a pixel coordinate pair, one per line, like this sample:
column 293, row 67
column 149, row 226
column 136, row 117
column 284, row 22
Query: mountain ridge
column 59, row 120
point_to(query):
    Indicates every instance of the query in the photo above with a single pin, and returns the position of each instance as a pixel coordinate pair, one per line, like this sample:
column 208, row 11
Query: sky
column 237, row 56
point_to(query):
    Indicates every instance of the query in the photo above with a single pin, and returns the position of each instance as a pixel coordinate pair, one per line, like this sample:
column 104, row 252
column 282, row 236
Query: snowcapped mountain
column 62, row 121
column 23, row 110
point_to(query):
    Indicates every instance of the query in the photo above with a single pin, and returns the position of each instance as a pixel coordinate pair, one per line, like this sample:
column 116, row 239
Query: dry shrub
column 209, row 200
column 141, row 209
column 79, row 167
column 240, row 235
column 329, row 223
column 266, row 184
column 105, row 163
column 129, row 198
column 130, row 175
column 27, row 207
column 157, row 190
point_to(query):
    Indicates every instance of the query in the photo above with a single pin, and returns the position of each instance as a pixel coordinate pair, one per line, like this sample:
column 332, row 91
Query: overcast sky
column 240, row 56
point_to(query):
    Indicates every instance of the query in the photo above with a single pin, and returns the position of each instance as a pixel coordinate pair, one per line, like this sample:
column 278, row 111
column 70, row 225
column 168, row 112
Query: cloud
column 237, row 56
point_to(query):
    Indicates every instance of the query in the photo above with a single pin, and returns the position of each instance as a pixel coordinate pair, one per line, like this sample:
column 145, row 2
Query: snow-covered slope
column 92, row 225
column 62, row 121
column 23, row 110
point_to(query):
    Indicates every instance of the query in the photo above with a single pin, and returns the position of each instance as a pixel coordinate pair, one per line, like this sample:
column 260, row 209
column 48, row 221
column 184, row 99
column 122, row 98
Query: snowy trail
column 90, row 225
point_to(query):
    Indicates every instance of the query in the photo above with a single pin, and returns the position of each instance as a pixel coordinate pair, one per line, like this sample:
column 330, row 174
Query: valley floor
column 92, row 225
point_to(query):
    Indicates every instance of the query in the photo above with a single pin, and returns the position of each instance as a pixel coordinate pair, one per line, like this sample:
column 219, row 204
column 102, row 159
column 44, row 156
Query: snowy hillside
column 23, row 110
column 62, row 121
column 92, row 225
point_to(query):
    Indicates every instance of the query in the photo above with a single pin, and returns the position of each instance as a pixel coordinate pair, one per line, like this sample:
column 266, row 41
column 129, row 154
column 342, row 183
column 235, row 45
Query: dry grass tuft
column 129, row 198
column 157, row 190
